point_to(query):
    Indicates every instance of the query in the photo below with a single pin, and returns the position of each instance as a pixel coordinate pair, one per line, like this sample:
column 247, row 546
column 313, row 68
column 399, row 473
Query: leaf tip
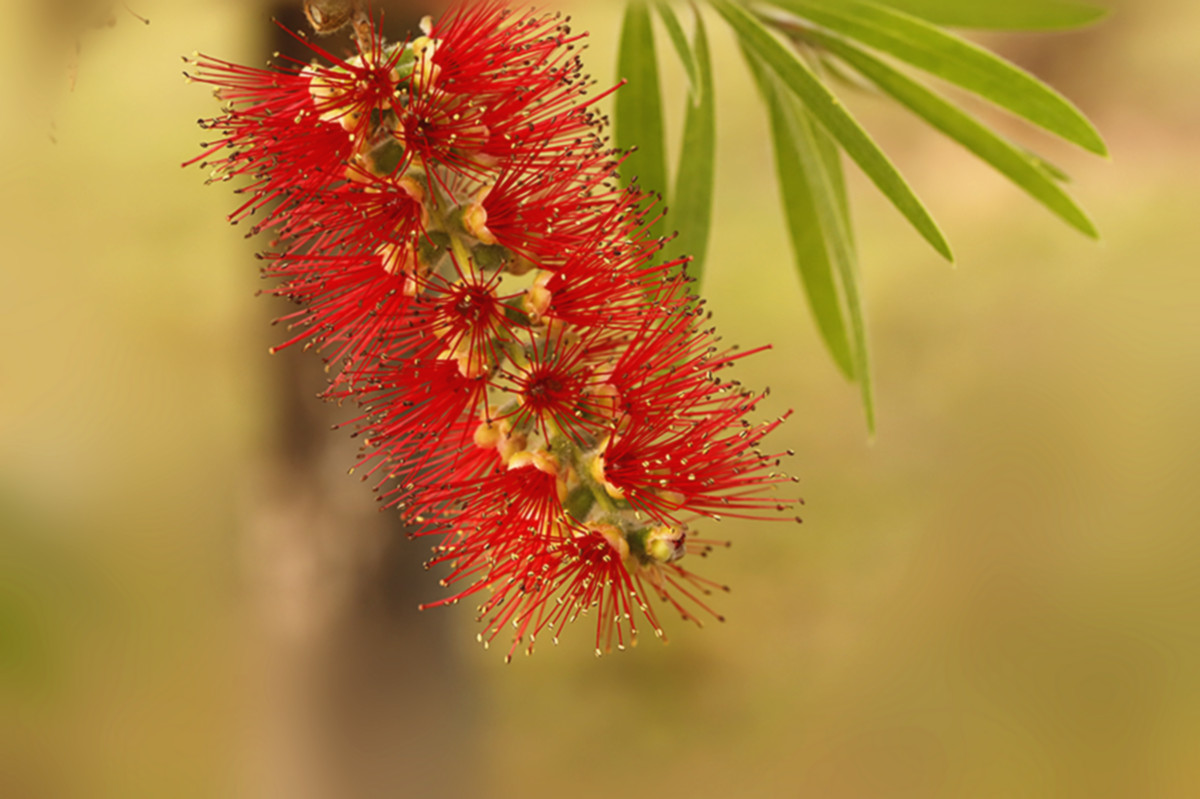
column 1089, row 138
column 942, row 246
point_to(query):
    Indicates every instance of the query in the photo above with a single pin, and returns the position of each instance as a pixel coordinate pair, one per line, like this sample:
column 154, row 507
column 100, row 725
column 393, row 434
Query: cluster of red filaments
column 535, row 389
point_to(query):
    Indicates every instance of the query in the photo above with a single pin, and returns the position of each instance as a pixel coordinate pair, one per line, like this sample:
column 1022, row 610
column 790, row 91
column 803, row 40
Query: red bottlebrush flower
column 353, row 262
column 534, row 387
column 491, row 86
column 554, row 387
column 294, row 131
column 544, row 212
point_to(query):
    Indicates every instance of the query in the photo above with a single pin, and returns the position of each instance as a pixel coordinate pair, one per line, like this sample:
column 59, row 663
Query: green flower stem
column 566, row 451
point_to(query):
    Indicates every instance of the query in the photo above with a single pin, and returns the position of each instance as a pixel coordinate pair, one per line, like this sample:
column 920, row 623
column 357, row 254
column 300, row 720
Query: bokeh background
column 997, row 597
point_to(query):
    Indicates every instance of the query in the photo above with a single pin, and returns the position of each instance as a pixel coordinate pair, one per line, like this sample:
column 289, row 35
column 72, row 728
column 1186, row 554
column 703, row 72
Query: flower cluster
column 534, row 388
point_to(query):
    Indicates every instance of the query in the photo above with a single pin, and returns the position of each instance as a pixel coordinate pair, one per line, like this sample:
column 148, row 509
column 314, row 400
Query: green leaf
column 639, row 118
column 827, row 110
column 692, row 200
column 1052, row 170
column 1012, row 162
column 679, row 40
column 1002, row 14
column 832, row 158
column 952, row 59
column 814, row 202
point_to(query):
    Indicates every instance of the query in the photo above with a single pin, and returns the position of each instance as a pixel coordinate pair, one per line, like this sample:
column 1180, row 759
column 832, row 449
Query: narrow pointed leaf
column 679, row 41
column 813, row 194
column 820, row 158
column 952, row 59
column 1052, row 170
column 810, row 239
column 1012, row 162
column 692, row 200
column 832, row 115
column 639, row 118
column 1002, row 14
column 831, row 156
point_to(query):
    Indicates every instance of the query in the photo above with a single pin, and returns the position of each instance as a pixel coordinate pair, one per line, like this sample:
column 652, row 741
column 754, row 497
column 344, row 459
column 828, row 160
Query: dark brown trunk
column 362, row 694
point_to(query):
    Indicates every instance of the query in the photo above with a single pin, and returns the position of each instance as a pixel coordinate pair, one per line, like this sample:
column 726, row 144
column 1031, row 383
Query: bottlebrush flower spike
column 536, row 389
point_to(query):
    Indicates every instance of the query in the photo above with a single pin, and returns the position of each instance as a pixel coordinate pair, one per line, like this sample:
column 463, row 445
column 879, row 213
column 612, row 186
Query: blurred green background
column 998, row 597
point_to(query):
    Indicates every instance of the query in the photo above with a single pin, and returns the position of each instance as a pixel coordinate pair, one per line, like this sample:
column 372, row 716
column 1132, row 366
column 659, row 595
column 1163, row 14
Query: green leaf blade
column 814, row 203
column 953, row 59
column 679, row 41
column 828, row 110
column 1026, row 171
column 692, row 199
column 1002, row 14
column 639, row 117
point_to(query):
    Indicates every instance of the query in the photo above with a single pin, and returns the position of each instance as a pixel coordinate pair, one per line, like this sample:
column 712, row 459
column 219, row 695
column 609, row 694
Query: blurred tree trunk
column 362, row 695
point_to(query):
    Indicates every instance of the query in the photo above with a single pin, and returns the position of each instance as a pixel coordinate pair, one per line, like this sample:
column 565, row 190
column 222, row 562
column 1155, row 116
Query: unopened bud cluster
column 535, row 388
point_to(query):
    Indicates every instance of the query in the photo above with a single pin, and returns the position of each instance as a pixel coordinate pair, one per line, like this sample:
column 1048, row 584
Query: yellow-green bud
column 665, row 544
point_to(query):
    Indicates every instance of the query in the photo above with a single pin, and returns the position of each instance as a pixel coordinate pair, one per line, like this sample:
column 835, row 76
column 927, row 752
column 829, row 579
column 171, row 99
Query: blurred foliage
column 803, row 54
column 998, row 598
